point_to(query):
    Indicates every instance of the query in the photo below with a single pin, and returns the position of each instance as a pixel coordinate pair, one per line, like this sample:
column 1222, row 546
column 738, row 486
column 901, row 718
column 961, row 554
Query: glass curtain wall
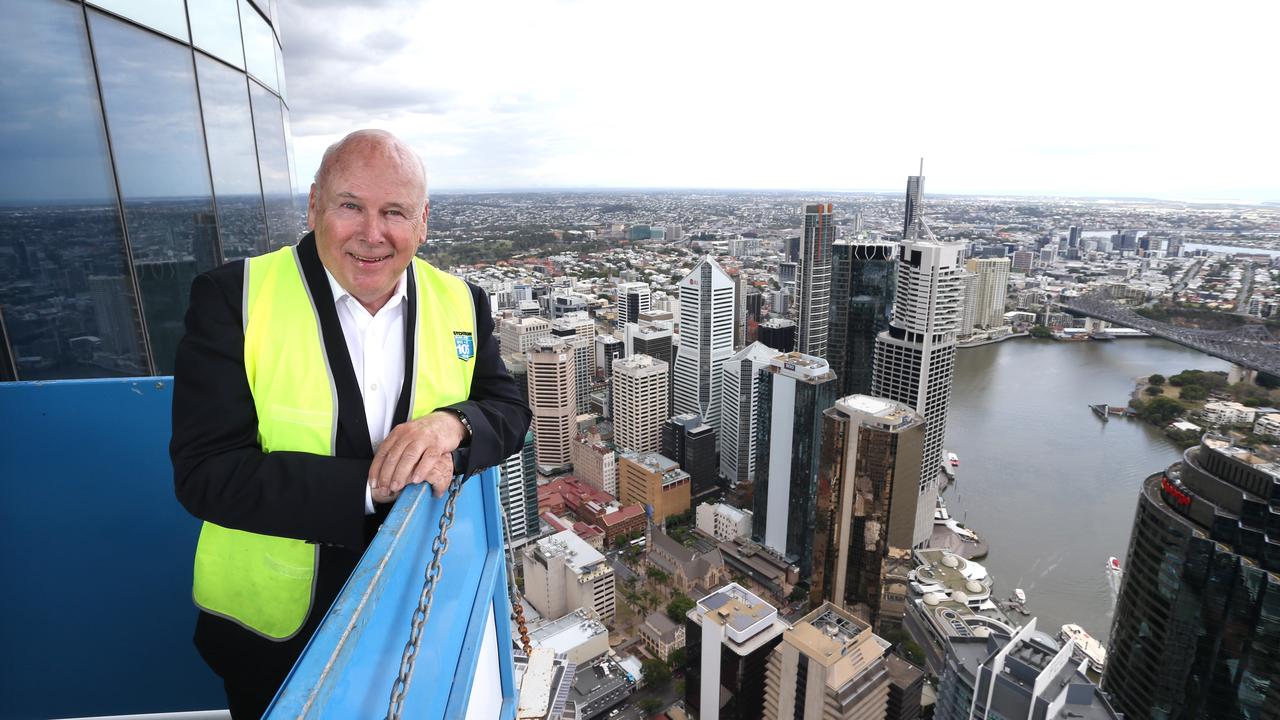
column 138, row 140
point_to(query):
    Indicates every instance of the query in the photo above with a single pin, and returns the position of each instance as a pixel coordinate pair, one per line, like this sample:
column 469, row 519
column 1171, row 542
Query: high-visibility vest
column 267, row 583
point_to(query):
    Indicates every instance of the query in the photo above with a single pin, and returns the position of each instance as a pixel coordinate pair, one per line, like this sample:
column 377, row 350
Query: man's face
column 369, row 218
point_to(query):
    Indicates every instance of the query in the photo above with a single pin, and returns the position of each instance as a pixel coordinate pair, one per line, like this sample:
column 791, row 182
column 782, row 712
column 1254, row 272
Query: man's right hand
column 383, row 495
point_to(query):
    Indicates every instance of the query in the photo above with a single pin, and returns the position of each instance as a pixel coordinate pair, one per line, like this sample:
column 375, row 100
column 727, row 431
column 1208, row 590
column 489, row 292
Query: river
column 1048, row 484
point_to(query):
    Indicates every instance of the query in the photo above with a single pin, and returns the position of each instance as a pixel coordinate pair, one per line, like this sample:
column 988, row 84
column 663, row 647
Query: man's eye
column 349, row 206
column 397, row 213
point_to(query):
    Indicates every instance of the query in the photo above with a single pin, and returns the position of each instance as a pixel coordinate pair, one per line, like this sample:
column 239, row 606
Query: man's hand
column 417, row 451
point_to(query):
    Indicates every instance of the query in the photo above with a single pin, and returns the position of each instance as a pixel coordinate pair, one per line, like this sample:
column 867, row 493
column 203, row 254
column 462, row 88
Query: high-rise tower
column 740, row 416
column 633, row 299
column 795, row 391
column 553, row 394
column 814, row 280
column 862, row 288
column 706, row 340
column 915, row 196
column 1197, row 624
column 915, row 358
column 992, row 288
column 640, row 403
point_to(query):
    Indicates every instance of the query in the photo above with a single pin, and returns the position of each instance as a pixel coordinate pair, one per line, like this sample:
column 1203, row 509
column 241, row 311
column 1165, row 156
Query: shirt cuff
column 368, row 499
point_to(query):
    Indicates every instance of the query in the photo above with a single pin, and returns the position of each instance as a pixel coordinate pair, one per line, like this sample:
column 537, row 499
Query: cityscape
column 794, row 453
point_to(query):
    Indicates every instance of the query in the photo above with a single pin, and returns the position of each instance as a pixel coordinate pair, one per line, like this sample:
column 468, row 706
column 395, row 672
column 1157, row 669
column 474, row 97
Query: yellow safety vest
column 267, row 583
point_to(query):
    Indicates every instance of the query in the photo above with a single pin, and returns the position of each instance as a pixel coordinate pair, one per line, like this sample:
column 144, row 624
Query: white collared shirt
column 375, row 344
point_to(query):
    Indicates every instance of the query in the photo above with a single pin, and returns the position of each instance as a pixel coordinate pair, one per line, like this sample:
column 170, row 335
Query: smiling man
column 313, row 384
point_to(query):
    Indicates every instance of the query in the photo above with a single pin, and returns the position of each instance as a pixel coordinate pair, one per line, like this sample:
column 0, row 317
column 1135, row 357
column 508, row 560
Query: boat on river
column 1092, row 650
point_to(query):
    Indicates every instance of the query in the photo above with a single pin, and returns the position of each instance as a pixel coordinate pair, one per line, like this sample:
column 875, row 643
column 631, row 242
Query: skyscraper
column 521, row 334
column 778, row 333
column 581, row 340
column 915, row 198
column 706, row 340
column 829, row 666
column 862, row 287
column 692, row 443
column 992, row 287
column 915, row 358
column 867, row 493
column 640, row 403
column 795, row 391
column 740, row 417
column 518, row 493
column 729, row 636
column 1197, row 624
column 968, row 303
column 814, row 281
column 633, row 299
column 553, row 393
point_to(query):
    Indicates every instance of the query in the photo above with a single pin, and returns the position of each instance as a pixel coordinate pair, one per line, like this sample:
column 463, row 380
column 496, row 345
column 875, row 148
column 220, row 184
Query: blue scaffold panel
column 96, row 617
column 349, row 666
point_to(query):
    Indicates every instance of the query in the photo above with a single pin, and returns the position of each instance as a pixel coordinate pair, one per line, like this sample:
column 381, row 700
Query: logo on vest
column 465, row 345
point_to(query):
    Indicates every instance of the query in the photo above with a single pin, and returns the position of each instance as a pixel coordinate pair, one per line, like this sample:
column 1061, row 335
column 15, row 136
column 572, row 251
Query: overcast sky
column 1161, row 99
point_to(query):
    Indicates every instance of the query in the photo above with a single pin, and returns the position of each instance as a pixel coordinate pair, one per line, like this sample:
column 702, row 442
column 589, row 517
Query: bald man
column 313, row 384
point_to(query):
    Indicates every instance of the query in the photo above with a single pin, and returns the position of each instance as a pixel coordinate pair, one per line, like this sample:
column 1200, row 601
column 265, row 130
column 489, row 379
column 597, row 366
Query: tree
column 656, row 673
column 649, row 706
column 1153, row 390
column 1156, row 379
column 677, row 659
column 1040, row 331
column 1160, row 410
column 1193, row 393
column 655, row 574
column 679, row 605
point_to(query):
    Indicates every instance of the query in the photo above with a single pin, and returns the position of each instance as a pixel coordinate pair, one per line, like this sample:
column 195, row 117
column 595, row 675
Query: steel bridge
column 1249, row 346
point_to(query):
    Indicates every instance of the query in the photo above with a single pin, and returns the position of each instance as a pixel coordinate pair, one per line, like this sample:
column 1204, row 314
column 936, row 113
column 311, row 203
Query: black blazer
column 222, row 475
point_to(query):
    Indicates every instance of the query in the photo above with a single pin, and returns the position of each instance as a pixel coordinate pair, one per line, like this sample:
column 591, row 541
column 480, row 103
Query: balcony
column 98, row 619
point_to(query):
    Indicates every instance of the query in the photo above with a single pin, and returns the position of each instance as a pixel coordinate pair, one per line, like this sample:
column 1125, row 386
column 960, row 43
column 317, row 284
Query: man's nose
column 374, row 227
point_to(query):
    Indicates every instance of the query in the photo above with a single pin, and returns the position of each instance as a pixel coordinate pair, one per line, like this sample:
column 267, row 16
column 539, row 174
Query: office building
column 862, row 285
column 1024, row 675
column 968, row 303
column 1196, row 631
column 915, row 358
column 869, row 473
column 553, row 393
column 777, row 333
column 723, row 522
column 522, row 334
column 1022, row 261
column 608, row 349
column 633, row 299
column 813, row 284
column 639, row 403
column 1073, row 237
column 991, row 287
column 729, row 636
column 655, row 482
column 562, row 573
column 655, row 339
column 578, row 331
column 906, row 689
column 595, row 462
column 578, row 636
column 829, row 666
column 96, row 183
column 911, row 215
column 796, row 390
column 518, row 493
column 692, row 444
column 706, row 340
column 740, row 418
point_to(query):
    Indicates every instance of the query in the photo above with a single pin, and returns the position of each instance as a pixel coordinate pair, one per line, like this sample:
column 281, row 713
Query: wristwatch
column 466, row 425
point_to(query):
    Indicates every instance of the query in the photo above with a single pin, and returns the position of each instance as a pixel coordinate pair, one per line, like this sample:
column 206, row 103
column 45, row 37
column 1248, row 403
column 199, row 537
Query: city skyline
column 1010, row 101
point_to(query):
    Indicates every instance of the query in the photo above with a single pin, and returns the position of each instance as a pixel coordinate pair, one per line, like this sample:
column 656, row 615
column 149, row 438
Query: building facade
column 655, row 482
column 553, row 393
column 862, row 287
column 144, row 144
column 814, row 281
column 867, row 493
column 796, row 389
column 633, row 299
column 829, row 666
column 562, row 573
column 729, row 636
column 518, row 493
column 778, row 334
column 640, row 403
column 595, row 463
column 915, row 358
column 992, row 285
column 692, row 444
column 723, row 522
column 706, row 340
column 740, row 417
column 1196, row 629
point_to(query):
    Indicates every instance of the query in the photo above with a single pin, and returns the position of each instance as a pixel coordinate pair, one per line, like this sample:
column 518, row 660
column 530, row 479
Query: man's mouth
column 368, row 260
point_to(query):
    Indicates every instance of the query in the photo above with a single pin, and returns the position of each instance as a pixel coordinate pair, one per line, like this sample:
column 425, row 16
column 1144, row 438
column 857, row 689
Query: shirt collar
column 340, row 293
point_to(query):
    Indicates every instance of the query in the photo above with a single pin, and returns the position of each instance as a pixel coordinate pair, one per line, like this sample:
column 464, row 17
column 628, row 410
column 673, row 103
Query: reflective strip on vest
column 267, row 583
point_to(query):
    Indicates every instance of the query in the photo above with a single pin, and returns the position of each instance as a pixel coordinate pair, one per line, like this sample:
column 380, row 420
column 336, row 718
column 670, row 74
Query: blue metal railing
column 97, row 615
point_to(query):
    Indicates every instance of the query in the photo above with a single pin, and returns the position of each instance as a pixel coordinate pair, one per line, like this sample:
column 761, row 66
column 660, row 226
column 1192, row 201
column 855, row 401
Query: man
column 313, row 384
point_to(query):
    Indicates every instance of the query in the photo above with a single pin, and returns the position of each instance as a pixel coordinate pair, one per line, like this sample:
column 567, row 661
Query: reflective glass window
column 65, row 289
column 168, row 16
column 283, row 221
column 284, row 95
column 153, row 116
column 215, row 28
column 259, row 45
column 228, row 126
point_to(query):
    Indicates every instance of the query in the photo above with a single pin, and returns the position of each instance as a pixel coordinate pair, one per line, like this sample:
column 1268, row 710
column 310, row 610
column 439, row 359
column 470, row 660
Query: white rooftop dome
column 932, row 598
column 950, row 560
column 959, row 597
column 974, row 586
column 982, row 631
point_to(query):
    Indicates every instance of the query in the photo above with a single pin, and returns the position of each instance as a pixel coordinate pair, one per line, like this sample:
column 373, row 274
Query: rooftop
column 577, row 553
column 890, row 414
column 661, row 626
column 568, row 632
column 808, row 368
column 748, row 620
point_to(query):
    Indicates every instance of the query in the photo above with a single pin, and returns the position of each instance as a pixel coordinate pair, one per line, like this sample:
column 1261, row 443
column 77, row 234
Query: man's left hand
column 418, row 451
